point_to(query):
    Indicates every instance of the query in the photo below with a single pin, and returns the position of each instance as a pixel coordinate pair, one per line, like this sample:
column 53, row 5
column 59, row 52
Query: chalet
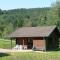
column 39, row 38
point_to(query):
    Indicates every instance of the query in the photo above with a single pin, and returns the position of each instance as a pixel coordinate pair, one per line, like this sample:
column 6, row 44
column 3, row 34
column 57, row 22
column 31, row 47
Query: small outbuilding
column 39, row 38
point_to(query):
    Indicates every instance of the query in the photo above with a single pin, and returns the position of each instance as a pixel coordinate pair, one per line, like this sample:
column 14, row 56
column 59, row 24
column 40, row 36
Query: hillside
column 12, row 19
column 16, row 18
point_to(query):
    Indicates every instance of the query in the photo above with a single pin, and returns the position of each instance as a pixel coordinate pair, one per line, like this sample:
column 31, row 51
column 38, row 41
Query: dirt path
column 13, row 50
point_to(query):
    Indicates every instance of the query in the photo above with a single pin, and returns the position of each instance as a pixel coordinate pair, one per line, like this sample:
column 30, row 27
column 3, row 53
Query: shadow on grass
column 4, row 54
column 58, row 49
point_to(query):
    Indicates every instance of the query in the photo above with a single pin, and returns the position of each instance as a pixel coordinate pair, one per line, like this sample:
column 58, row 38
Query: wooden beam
column 11, row 43
column 44, row 43
column 23, row 42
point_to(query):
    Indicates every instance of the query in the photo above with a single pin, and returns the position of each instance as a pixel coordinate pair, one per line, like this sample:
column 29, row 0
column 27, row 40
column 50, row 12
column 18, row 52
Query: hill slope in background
column 16, row 18
column 12, row 19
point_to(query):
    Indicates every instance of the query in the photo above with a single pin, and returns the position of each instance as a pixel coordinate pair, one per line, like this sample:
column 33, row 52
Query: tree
column 53, row 15
column 1, row 12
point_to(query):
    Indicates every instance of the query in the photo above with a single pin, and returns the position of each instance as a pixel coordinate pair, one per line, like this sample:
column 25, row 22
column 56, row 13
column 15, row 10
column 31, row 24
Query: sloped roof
column 42, row 31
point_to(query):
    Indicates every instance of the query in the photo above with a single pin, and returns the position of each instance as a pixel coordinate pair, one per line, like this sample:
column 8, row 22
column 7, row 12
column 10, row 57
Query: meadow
column 30, row 56
column 6, row 43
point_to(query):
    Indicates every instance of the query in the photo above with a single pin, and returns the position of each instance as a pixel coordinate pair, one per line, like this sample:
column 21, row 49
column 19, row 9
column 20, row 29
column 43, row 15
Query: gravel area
column 13, row 50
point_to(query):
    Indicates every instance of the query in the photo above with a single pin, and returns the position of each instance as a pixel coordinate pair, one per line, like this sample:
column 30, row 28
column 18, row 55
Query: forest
column 12, row 19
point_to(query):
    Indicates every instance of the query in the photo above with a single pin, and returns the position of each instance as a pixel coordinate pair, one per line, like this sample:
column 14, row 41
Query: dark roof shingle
column 42, row 31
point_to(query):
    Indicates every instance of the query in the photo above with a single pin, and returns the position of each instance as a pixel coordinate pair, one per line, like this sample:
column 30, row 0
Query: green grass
column 52, row 55
column 4, row 43
column 30, row 56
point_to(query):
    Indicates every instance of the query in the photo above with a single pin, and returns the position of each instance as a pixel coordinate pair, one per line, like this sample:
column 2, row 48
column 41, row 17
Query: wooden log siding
column 39, row 43
column 21, row 41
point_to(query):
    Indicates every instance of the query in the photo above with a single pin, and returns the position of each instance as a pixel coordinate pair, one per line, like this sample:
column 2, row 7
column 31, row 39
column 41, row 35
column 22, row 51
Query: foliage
column 13, row 19
column 16, row 18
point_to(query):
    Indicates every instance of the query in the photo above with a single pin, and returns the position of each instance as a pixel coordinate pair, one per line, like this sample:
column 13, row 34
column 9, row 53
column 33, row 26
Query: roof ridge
column 40, row 26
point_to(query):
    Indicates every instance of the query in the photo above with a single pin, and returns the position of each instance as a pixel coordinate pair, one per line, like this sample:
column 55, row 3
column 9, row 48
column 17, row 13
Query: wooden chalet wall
column 52, row 42
column 39, row 43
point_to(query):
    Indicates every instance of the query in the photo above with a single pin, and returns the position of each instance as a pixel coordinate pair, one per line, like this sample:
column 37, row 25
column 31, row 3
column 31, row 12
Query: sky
column 14, row 4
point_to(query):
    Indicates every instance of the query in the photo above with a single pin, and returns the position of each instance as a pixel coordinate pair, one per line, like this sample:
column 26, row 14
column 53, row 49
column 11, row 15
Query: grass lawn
column 30, row 56
column 4, row 43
